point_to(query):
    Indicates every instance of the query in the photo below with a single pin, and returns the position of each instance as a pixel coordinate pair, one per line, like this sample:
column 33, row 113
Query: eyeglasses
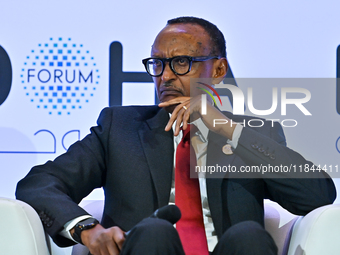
column 180, row 65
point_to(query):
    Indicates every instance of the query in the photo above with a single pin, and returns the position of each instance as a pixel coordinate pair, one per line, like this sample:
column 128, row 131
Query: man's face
column 178, row 40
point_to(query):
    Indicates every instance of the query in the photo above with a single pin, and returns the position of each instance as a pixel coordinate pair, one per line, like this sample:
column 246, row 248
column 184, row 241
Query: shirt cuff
column 236, row 136
column 70, row 224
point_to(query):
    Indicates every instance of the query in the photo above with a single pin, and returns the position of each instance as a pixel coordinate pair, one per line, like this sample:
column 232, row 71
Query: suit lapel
column 159, row 150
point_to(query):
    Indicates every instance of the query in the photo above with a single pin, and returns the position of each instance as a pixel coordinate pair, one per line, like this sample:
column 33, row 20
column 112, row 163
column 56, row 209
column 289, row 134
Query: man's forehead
column 191, row 32
column 188, row 28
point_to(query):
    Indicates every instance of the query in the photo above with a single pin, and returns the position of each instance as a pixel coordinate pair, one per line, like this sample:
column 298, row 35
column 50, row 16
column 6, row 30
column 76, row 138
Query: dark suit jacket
column 131, row 156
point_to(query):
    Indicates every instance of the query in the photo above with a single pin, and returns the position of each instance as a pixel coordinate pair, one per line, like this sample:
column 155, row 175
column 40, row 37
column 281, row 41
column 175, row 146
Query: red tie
column 187, row 197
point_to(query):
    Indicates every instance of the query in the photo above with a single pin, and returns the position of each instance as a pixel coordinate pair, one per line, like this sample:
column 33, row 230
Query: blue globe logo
column 60, row 76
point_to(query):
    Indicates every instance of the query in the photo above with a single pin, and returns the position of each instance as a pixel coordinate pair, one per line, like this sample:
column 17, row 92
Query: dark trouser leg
column 246, row 238
column 153, row 237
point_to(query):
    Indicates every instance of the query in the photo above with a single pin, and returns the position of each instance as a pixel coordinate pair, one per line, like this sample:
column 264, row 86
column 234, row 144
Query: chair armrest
column 317, row 233
column 21, row 229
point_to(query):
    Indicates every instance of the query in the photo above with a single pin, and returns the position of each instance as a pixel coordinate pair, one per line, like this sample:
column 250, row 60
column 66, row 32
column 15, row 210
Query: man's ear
column 220, row 70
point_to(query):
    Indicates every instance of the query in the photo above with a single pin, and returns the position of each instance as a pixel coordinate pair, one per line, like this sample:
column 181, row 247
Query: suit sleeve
column 55, row 188
column 298, row 192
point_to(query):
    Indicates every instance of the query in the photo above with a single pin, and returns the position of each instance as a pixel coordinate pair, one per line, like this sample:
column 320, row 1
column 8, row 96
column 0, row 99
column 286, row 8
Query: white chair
column 317, row 233
column 21, row 229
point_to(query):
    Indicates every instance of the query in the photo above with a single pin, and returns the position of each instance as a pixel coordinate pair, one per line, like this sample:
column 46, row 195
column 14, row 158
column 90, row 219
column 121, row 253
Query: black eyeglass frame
column 164, row 60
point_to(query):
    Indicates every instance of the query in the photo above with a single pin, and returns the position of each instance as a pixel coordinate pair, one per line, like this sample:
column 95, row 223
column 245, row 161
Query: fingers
column 102, row 241
column 118, row 237
column 189, row 109
column 186, row 116
column 177, row 100
column 180, row 115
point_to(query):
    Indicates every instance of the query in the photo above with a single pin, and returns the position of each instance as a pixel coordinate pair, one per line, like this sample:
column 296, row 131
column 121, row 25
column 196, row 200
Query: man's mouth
column 167, row 94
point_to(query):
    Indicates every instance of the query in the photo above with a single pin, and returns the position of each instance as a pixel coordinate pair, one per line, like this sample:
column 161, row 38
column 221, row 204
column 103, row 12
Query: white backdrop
column 282, row 39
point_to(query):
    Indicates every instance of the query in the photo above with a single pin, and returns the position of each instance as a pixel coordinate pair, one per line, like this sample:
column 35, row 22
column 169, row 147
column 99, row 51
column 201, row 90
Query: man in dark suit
column 130, row 153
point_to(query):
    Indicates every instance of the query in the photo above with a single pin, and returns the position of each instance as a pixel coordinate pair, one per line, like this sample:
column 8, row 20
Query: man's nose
column 168, row 74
